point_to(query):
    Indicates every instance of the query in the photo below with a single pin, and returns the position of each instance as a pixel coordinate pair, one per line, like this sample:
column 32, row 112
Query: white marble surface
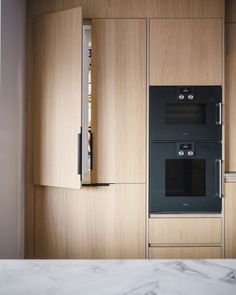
column 118, row 277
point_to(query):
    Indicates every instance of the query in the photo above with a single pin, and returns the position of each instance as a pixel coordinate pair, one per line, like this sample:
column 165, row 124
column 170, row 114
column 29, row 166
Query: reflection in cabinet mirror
column 86, row 105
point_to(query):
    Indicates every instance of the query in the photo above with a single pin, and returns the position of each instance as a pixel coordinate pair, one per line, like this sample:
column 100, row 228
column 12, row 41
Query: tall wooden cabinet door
column 186, row 51
column 57, row 96
column 230, row 220
column 230, row 98
column 119, row 100
column 92, row 223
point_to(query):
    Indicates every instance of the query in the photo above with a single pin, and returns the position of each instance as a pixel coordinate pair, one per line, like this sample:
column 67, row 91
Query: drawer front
column 185, row 231
column 185, row 253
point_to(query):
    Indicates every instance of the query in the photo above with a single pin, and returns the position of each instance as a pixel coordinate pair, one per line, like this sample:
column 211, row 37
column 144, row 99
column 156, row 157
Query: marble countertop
column 117, row 277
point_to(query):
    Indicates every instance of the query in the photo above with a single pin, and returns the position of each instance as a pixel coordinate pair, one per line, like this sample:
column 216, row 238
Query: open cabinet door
column 57, row 97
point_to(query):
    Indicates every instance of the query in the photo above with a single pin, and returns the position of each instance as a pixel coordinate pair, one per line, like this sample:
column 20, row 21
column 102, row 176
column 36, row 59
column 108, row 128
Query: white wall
column 13, row 22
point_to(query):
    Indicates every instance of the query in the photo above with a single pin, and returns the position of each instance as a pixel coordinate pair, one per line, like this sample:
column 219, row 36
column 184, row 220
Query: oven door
column 182, row 183
column 173, row 116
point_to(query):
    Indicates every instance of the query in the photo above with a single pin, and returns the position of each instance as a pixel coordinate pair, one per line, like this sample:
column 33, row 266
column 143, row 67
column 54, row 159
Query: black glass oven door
column 175, row 119
column 185, row 177
column 184, row 184
column 185, row 113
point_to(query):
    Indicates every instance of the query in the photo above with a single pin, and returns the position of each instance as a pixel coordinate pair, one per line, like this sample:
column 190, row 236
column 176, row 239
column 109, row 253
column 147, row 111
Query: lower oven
column 185, row 177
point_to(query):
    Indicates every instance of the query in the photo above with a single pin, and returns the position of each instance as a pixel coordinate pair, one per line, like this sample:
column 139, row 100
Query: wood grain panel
column 29, row 181
column 212, row 8
column 132, row 8
column 185, row 253
column 186, row 52
column 185, row 8
column 119, row 9
column 102, row 222
column 230, row 220
column 230, row 178
column 185, row 230
column 43, row 7
column 230, row 12
column 119, row 100
column 230, row 98
column 57, row 93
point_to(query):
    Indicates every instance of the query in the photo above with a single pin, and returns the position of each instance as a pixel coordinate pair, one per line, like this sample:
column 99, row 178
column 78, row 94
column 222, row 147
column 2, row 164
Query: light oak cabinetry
column 104, row 222
column 62, row 220
column 185, row 230
column 185, row 252
column 133, row 8
column 178, row 237
column 230, row 134
column 95, row 222
column 230, row 220
column 230, row 94
column 57, row 97
column 119, row 100
column 186, row 51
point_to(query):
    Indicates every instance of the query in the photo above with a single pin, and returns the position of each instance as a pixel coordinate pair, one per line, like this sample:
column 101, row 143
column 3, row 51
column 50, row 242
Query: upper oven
column 185, row 113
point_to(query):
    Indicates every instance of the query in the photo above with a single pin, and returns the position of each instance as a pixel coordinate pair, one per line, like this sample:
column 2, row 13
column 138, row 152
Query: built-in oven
column 185, row 113
column 184, row 176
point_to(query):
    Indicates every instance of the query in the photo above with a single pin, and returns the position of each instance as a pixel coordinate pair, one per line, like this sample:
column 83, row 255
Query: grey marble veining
column 118, row 277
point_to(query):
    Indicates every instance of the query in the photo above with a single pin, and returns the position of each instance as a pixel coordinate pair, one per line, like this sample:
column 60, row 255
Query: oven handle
column 219, row 170
column 219, row 113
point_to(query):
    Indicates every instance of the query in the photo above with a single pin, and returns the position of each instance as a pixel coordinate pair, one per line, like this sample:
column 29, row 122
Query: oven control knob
column 181, row 153
column 190, row 153
column 181, row 97
column 190, row 97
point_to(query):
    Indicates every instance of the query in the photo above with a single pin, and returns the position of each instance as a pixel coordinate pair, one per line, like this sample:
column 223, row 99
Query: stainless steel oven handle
column 219, row 162
column 219, row 108
column 220, row 186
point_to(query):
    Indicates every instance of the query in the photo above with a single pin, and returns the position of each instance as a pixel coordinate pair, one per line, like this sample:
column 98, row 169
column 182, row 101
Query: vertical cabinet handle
column 91, row 149
column 218, row 178
column 219, row 113
column 80, row 153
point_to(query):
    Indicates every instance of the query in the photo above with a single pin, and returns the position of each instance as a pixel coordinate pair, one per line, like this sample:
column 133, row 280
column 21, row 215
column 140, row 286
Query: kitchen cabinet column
column 230, row 140
column 119, row 100
column 230, row 97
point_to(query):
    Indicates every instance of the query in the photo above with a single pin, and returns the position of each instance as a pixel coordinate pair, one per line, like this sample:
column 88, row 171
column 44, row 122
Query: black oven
column 184, row 176
column 185, row 113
